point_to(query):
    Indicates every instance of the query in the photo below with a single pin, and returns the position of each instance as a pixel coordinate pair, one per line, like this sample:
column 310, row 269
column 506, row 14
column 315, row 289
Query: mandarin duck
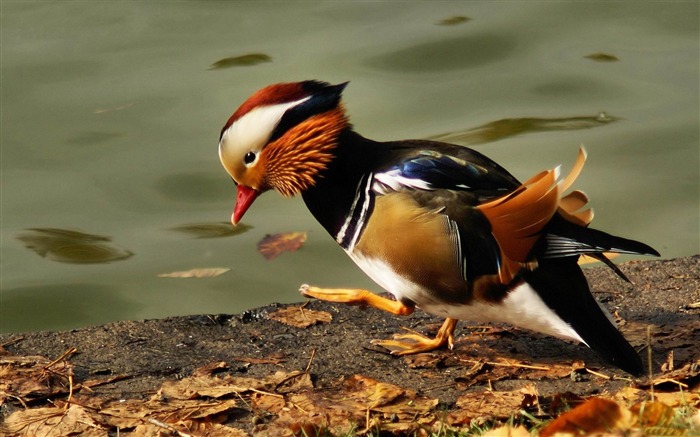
column 439, row 226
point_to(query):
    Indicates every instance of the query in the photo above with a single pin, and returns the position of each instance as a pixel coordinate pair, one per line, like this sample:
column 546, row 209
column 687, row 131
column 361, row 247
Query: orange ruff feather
column 518, row 218
column 293, row 161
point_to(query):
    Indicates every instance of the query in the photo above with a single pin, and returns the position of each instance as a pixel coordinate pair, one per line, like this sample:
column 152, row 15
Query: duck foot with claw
column 417, row 343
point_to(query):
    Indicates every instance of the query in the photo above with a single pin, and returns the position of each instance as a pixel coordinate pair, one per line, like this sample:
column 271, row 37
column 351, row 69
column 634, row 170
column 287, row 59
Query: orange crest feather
column 518, row 218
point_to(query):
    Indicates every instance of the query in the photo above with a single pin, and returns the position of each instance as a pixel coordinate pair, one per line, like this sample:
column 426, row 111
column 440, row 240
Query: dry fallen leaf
column 507, row 431
column 300, row 317
column 52, row 421
column 34, row 376
column 594, row 416
column 362, row 401
column 272, row 245
column 652, row 414
column 196, row 273
column 492, row 404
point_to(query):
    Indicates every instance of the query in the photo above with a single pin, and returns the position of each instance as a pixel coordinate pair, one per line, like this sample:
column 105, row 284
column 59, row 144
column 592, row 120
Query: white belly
column 522, row 307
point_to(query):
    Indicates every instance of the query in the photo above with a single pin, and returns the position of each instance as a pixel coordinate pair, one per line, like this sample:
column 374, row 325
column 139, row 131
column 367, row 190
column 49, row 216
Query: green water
column 111, row 113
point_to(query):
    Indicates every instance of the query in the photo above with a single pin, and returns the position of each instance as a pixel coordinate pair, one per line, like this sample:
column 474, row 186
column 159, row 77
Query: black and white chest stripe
column 356, row 219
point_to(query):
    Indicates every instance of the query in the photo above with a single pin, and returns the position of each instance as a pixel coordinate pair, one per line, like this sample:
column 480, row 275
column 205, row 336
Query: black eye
column 249, row 157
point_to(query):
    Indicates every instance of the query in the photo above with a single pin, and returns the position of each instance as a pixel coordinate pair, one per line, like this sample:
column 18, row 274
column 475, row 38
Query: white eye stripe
column 252, row 131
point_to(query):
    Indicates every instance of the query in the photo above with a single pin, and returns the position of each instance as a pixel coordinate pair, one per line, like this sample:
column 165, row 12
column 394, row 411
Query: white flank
column 252, row 131
column 382, row 273
column 523, row 307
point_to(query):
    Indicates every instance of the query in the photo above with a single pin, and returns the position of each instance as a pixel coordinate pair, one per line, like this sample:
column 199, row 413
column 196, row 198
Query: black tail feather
column 563, row 287
column 563, row 239
column 605, row 260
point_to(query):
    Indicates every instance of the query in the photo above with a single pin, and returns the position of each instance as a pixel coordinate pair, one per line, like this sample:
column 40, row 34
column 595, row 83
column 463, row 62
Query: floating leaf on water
column 454, row 20
column 273, row 245
column 212, row 230
column 196, row 273
column 69, row 246
column 241, row 61
column 602, row 57
column 510, row 127
column 116, row 108
column 300, row 317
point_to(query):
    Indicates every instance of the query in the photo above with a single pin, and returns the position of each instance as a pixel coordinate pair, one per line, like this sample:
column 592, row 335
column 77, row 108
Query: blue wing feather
column 432, row 170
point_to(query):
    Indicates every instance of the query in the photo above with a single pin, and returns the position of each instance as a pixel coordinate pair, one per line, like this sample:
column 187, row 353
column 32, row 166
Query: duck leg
column 354, row 296
column 416, row 343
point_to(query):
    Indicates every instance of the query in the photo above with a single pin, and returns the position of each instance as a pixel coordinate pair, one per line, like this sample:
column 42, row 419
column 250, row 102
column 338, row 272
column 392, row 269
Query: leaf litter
column 44, row 400
column 265, row 392
column 300, row 317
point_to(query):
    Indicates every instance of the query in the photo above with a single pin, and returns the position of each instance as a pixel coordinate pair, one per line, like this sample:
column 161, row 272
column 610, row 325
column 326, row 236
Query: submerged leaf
column 510, row 127
column 451, row 21
column 272, row 245
column 299, row 317
column 68, row 246
column 602, row 57
column 212, row 230
column 196, row 273
column 241, row 61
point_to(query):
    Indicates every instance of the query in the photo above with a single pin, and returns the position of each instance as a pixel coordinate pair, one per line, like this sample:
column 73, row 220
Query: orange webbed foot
column 414, row 343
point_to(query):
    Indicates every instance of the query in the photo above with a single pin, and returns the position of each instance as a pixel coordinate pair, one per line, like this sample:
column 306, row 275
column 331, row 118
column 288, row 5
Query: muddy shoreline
column 136, row 357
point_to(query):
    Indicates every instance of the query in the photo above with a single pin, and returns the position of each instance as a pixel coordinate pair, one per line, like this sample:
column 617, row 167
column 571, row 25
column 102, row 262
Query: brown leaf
column 52, row 421
column 492, row 404
column 196, row 273
column 595, row 415
column 134, row 412
column 29, row 377
column 652, row 414
column 374, row 393
column 300, row 317
column 507, row 431
column 268, row 403
column 272, row 245
column 203, row 385
column 362, row 400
